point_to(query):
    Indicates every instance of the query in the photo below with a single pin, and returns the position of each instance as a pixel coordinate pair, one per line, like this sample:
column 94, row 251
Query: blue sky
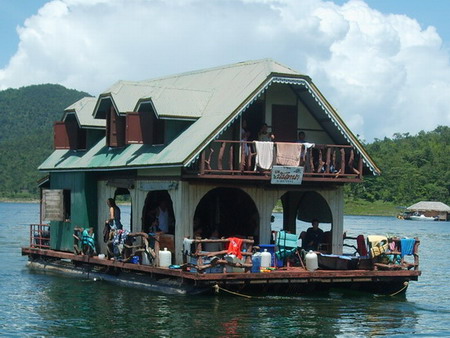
column 383, row 64
column 13, row 14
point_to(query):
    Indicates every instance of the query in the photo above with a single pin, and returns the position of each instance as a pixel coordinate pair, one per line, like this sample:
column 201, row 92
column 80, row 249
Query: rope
column 216, row 288
column 403, row 288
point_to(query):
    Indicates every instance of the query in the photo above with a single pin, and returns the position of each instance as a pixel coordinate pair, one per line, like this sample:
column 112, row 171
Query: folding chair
column 287, row 245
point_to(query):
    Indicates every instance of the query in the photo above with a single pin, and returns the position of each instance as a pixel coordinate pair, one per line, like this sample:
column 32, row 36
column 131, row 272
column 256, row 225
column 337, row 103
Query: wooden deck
column 283, row 276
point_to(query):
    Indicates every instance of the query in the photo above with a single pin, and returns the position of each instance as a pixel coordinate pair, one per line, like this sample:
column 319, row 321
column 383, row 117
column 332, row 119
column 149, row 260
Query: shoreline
column 9, row 200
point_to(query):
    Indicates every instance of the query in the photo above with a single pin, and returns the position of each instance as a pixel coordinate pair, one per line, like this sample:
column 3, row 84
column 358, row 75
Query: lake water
column 37, row 304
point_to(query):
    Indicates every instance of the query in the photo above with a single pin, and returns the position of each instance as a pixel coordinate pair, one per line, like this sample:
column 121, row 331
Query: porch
column 236, row 160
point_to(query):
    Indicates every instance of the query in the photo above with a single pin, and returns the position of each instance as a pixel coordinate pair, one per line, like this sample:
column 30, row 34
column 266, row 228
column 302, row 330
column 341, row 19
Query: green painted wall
column 83, row 202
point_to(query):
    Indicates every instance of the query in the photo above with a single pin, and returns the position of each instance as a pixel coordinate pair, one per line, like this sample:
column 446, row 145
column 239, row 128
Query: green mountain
column 414, row 168
column 26, row 135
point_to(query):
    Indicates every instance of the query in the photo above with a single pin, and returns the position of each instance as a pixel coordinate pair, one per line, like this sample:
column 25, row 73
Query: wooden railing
column 40, row 236
column 229, row 159
column 204, row 260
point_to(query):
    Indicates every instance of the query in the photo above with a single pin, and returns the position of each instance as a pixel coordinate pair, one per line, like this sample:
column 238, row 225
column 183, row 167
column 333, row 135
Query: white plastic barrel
column 266, row 259
column 311, row 261
column 145, row 260
column 165, row 258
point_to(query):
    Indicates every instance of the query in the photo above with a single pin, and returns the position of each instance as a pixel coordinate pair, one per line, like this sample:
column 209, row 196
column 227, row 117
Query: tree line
column 414, row 167
column 26, row 135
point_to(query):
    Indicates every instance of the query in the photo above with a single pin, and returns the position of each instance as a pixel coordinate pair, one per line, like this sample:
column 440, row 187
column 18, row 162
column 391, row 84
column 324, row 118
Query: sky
column 383, row 64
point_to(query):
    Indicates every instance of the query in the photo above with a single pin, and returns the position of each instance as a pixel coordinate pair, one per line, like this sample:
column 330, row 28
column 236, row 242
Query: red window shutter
column 134, row 128
column 61, row 137
column 116, row 129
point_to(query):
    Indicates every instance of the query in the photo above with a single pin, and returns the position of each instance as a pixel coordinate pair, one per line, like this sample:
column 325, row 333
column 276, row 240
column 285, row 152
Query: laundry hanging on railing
column 288, row 154
column 264, row 155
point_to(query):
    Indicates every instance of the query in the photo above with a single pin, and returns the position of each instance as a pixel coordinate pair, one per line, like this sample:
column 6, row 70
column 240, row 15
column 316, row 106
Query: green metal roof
column 214, row 97
column 83, row 111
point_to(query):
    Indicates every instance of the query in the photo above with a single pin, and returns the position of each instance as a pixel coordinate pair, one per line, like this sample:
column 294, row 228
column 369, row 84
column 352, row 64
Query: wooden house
column 438, row 210
column 179, row 138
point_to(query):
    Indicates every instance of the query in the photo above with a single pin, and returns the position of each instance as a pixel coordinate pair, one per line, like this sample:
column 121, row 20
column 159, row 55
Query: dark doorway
column 229, row 211
column 284, row 123
column 150, row 211
column 254, row 116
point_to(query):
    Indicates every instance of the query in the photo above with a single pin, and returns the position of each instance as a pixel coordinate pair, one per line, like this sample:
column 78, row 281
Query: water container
column 256, row 262
column 134, row 260
column 165, row 258
column 311, row 261
column 145, row 259
column 266, row 259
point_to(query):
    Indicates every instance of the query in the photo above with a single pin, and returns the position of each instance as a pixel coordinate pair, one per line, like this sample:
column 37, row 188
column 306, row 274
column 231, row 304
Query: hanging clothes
column 234, row 247
column 288, row 154
column 264, row 154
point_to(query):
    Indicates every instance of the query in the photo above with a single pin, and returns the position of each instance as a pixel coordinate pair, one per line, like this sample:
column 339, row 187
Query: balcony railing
column 321, row 162
column 40, row 236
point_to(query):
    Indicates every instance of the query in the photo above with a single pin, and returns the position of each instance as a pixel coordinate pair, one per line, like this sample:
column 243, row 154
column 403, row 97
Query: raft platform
column 287, row 280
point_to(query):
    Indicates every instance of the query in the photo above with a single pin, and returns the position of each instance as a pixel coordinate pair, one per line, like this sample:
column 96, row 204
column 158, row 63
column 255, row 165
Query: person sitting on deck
column 77, row 235
column 88, row 241
column 313, row 236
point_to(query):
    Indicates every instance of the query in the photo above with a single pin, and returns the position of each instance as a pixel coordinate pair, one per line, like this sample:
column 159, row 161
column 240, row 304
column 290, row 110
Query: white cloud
column 384, row 73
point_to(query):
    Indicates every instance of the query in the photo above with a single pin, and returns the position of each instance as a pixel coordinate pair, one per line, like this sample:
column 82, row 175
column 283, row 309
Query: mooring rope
column 403, row 288
column 216, row 288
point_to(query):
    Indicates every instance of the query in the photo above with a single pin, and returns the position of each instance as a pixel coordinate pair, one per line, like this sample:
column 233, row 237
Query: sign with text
column 286, row 175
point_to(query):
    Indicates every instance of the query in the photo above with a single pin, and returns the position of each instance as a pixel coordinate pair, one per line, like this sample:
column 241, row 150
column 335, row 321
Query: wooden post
column 328, row 160
column 230, row 158
column 220, row 158
column 360, row 167
column 319, row 167
column 202, row 163
column 156, row 262
column 342, row 150
column 311, row 162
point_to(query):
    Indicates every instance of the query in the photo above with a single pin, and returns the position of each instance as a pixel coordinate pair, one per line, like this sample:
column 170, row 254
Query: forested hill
column 26, row 135
column 414, row 168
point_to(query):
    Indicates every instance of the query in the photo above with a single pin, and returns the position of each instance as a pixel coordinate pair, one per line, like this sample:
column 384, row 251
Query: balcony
column 226, row 159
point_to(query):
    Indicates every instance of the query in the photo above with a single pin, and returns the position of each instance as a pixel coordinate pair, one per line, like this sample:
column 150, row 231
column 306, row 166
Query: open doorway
column 158, row 207
column 122, row 198
column 227, row 211
column 296, row 210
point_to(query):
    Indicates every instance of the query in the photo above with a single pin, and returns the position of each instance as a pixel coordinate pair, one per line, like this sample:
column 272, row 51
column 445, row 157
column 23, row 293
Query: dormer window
column 69, row 135
column 115, row 129
column 144, row 127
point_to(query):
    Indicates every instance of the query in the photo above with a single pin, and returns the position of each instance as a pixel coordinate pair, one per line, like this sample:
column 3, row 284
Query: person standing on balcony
column 264, row 134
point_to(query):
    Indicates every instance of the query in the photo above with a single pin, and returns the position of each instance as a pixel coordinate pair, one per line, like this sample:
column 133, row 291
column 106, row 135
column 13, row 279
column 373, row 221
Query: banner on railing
column 287, row 175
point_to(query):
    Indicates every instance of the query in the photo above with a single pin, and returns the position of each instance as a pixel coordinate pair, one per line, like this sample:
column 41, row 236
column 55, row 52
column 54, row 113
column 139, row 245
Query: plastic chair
column 287, row 245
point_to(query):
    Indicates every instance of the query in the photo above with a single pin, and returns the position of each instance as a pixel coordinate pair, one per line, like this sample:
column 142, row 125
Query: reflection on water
column 48, row 305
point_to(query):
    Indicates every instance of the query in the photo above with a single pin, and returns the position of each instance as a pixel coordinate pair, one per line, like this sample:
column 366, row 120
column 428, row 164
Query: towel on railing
column 187, row 246
column 407, row 246
column 234, row 247
column 264, row 155
column 288, row 154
